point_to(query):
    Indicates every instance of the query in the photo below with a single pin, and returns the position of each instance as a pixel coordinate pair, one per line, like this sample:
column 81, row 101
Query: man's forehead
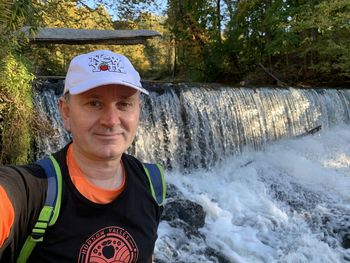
column 111, row 90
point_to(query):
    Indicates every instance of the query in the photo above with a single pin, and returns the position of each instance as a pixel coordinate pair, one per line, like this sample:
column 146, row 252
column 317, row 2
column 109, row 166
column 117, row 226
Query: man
column 107, row 210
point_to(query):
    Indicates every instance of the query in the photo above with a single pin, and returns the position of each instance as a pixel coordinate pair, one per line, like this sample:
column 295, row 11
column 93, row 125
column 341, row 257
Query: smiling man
column 103, row 122
column 108, row 212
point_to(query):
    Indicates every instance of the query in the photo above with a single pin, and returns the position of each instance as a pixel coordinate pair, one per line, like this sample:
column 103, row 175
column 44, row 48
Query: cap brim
column 91, row 84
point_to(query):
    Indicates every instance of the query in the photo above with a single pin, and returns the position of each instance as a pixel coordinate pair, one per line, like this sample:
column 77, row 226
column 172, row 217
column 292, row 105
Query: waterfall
column 194, row 126
column 46, row 104
column 271, row 194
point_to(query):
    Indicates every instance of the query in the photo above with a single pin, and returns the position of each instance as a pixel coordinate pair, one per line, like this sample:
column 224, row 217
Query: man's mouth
column 109, row 135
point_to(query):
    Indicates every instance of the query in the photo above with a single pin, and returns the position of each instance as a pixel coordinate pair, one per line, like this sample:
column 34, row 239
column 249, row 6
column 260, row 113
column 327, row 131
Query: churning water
column 289, row 202
column 270, row 193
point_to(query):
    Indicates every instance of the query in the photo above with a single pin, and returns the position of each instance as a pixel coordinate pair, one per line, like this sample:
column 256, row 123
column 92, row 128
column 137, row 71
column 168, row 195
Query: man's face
column 103, row 120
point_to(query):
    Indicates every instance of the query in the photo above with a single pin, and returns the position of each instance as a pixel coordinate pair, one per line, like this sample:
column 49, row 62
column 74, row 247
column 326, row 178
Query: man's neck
column 107, row 174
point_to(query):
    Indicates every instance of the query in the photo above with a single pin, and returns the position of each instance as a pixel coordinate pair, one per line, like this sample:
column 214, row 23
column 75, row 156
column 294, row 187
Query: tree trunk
column 268, row 34
column 174, row 59
column 218, row 20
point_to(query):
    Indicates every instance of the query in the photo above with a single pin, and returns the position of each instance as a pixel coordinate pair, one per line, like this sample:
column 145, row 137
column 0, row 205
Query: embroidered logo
column 110, row 244
column 103, row 62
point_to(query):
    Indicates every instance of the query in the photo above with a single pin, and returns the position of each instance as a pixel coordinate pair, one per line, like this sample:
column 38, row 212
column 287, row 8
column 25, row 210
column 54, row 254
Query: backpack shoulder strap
column 49, row 213
column 155, row 174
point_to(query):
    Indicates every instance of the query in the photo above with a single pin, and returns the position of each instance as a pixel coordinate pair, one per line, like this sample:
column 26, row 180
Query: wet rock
column 172, row 192
column 216, row 256
column 182, row 213
column 55, row 84
column 185, row 210
column 188, row 216
column 346, row 241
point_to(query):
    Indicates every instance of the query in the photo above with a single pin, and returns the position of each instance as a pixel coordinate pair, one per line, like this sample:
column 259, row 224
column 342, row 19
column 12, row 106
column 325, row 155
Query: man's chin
column 106, row 154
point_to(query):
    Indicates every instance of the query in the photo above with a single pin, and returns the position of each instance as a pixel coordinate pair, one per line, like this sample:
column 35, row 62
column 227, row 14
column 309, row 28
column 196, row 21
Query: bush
column 16, row 109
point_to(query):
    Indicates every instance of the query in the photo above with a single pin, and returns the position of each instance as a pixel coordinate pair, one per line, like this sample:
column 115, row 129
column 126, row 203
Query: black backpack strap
column 49, row 213
column 155, row 174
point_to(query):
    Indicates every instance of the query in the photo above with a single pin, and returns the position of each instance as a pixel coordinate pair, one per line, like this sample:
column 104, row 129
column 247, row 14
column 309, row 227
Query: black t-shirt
column 124, row 230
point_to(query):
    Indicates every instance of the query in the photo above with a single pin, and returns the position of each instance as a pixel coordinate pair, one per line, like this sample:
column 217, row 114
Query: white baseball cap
column 98, row 68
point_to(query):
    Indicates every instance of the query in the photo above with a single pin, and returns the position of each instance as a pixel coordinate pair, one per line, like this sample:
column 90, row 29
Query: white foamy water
column 289, row 202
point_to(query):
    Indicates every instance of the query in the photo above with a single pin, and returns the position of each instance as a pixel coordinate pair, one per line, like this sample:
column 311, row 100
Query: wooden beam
column 72, row 36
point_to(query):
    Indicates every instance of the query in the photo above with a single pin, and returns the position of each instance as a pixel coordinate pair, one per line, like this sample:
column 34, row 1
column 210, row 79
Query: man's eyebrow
column 126, row 97
column 92, row 95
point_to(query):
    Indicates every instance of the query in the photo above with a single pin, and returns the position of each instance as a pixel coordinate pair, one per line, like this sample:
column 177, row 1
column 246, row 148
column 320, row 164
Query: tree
column 325, row 41
column 194, row 25
column 245, row 35
column 156, row 51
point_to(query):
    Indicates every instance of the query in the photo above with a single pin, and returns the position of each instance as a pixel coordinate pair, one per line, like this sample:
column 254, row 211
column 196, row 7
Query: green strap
column 155, row 174
column 59, row 191
column 49, row 213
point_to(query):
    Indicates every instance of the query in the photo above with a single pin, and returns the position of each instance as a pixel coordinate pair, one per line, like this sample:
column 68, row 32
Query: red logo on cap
column 104, row 67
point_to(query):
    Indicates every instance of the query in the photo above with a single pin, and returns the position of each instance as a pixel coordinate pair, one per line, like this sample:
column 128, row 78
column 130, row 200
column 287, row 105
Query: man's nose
column 110, row 116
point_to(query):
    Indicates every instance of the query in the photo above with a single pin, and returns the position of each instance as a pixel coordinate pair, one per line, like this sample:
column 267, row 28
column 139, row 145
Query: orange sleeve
column 7, row 215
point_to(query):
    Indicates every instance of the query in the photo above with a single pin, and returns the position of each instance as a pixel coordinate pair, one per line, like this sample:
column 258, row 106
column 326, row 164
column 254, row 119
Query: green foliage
column 296, row 40
column 13, row 15
column 244, row 36
column 157, row 52
column 16, row 109
column 192, row 28
column 15, row 84
column 327, row 38
column 5, row 15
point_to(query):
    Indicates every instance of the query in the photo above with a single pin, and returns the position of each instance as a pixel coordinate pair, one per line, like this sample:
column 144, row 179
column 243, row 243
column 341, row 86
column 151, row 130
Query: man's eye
column 94, row 103
column 123, row 105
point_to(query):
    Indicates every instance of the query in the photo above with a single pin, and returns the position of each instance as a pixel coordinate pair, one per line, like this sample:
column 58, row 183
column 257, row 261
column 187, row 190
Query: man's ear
column 64, row 110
